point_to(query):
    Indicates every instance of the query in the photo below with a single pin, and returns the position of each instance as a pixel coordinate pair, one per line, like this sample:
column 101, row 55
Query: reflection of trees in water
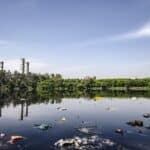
column 27, row 99
column 24, row 112
column 91, row 94
column 57, row 96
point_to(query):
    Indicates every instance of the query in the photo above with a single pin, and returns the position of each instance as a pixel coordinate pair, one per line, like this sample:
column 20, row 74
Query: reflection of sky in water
column 78, row 110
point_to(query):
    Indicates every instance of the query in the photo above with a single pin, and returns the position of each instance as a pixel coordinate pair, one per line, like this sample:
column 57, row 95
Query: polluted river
column 107, row 123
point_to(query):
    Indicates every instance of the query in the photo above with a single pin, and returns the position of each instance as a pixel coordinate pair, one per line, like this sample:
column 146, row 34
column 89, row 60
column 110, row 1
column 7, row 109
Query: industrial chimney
column 23, row 65
column 1, row 65
column 28, row 67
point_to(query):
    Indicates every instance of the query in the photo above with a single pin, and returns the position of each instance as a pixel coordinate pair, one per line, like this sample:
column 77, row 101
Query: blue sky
column 77, row 38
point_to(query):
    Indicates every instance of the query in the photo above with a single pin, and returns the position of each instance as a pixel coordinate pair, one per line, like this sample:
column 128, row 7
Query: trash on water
column 86, row 130
column 85, row 122
column 61, row 108
column 146, row 115
column 119, row 131
column 42, row 126
column 133, row 98
column 88, row 143
column 138, row 123
column 110, row 108
column 108, row 142
column 15, row 138
column 97, row 98
column 2, row 135
column 63, row 119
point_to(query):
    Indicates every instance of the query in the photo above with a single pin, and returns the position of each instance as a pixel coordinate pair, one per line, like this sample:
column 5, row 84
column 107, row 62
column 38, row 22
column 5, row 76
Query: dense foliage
column 88, row 84
column 38, row 88
column 19, row 83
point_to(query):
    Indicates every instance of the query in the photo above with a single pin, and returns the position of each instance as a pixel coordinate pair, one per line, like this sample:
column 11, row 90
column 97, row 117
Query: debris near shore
column 120, row 131
column 15, row 138
column 135, row 123
column 63, row 119
column 62, row 108
column 86, row 130
column 146, row 115
column 2, row 135
column 42, row 126
column 87, row 143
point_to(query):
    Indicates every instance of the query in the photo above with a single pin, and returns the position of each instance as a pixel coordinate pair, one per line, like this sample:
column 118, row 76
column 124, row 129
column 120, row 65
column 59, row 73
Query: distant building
column 2, row 65
column 27, row 67
column 23, row 66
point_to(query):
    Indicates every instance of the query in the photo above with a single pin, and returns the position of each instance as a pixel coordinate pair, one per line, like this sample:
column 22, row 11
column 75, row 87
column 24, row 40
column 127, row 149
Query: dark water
column 104, row 114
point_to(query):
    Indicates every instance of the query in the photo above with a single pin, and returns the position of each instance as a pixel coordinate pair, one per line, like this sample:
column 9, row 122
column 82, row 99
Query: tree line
column 22, row 84
column 93, row 84
column 16, row 82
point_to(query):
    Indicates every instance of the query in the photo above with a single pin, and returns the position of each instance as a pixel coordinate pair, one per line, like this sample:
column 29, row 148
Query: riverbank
column 93, row 84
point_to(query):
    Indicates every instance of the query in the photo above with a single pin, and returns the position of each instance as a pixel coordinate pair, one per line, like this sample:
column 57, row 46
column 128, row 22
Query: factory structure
column 2, row 65
column 25, row 66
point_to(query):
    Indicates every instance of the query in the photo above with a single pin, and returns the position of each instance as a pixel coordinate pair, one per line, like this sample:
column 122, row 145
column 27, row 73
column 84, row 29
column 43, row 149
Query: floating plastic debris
column 146, row 115
column 42, row 126
column 108, row 142
column 86, row 143
column 111, row 109
column 85, row 130
column 85, row 122
column 2, row 135
column 138, row 123
column 61, row 108
column 15, row 138
column 120, row 131
column 97, row 98
column 133, row 98
column 63, row 119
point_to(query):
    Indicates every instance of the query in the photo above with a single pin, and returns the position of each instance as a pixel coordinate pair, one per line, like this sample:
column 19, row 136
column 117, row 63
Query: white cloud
column 142, row 32
column 40, row 66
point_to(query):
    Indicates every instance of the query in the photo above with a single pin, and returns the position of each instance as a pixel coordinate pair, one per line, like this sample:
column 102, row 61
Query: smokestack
column 28, row 69
column 23, row 65
column 1, row 65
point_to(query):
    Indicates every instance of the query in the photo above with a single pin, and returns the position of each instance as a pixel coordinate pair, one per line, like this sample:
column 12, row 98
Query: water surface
column 105, row 114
